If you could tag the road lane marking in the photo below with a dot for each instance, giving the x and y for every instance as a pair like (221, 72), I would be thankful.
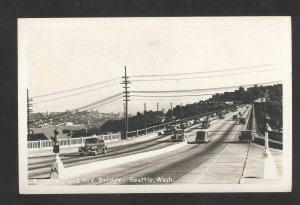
(220, 154)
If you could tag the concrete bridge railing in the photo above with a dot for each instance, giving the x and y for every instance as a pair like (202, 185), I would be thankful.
(40, 144)
(156, 128)
(274, 142)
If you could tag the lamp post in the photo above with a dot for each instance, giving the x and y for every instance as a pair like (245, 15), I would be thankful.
(57, 167)
(267, 167)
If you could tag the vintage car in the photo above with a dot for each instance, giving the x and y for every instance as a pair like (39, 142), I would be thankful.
(242, 120)
(246, 136)
(93, 146)
(207, 118)
(183, 125)
(221, 116)
(169, 130)
(178, 135)
(202, 136)
(190, 123)
(205, 124)
(197, 121)
(234, 117)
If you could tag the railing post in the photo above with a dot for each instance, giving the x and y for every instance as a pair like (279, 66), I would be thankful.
(137, 133)
(152, 128)
(81, 141)
(145, 130)
(110, 136)
(40, 143)
(70, 141)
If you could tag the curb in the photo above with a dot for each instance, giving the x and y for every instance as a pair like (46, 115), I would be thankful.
(86, 168)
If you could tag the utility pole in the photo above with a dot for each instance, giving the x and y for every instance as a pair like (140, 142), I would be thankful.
(171, 113)
(126, 82)
(124, 111)
(157, 107)
(181, 112)
(29, 110)
(145, 109)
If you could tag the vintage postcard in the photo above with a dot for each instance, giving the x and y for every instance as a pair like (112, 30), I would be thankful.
(155, 105)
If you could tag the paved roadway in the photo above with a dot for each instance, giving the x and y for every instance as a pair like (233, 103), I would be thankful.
(39, 166)
(223, 160)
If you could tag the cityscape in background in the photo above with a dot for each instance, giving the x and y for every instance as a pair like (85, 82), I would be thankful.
(88, 122)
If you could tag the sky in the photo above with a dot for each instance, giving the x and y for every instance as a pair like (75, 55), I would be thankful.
(62, 54)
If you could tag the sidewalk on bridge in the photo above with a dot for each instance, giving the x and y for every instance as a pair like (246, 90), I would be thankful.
(252, 165)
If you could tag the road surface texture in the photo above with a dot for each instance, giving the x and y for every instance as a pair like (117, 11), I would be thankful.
(221, 161)
(39, 162)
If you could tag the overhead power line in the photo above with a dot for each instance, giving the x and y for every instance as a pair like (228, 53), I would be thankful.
(203, 72)
(204, 89)
(151, 96)
(78, 88)
(106, 103)
(210, 76)
(87, 107)
(98, 102)
(74, 94)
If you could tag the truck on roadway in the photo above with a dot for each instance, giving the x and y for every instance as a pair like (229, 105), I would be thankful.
(202, 136)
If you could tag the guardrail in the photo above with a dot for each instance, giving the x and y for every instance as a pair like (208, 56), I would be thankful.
(145, 131)
(113, 137)
(71, 141)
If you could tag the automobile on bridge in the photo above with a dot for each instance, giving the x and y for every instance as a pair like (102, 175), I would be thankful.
(169, 129)
(197, 121)
(178, 135)
(242, 120)
(183, 125)
(234, 117)
(246, 136)
(93, 146)
(221, 116)
(205, 124)
(207, 118)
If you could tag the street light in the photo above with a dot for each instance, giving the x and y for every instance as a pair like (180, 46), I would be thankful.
(57, 166)
(267, 168)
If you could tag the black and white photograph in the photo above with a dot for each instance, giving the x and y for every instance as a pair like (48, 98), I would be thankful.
(154, 105)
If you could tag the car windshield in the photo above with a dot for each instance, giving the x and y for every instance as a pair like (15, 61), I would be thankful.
(200, 133)
(92, 140)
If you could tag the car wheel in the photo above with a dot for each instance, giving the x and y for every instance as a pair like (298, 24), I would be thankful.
(96, 152)
(104, 150)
